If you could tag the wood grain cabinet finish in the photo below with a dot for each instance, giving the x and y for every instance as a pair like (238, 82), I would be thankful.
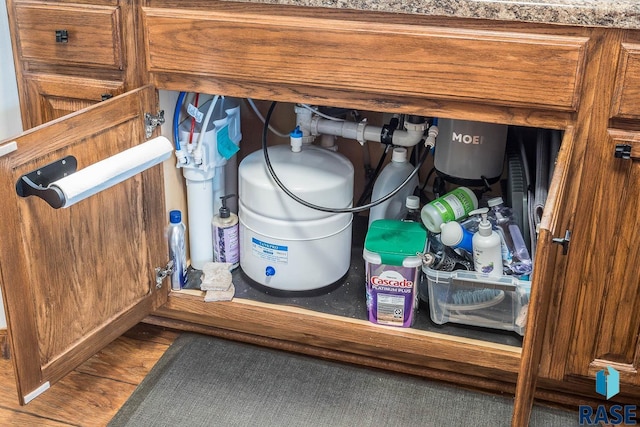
(56, 96)
(68, 291)
(519, 74)
(608, 326)
(626, 103)
(86, 35)
(504, 68)
(594, 319)
(72, 54)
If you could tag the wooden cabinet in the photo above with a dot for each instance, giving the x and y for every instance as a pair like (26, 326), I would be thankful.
(70, 55)
(433, 61)
(52, 96)
(593, 320)
(608, 325)
(626, 101)
(87, 273)
(606, 296)
(579, 80)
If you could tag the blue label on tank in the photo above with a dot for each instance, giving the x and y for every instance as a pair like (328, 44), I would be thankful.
(270, 251)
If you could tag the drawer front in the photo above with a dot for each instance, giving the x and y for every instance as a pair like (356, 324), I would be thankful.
(506, 68)
(68, 35)
(49, 97)
(626, 102)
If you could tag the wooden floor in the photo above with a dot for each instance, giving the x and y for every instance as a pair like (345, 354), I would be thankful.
(92, 394)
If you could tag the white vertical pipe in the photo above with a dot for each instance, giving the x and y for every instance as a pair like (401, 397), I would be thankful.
(200, 213)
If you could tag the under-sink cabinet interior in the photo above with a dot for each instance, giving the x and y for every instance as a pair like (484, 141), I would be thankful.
(567, 98)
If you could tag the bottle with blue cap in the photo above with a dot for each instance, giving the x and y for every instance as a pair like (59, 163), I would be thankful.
(454, 235)
(176, 232)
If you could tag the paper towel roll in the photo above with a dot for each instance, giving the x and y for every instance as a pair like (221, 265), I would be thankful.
(113, 170)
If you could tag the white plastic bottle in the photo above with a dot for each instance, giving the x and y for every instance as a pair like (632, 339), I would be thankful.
(226, 241)
(393, 174)
(452, 206)
(487, 252)
(177, 250)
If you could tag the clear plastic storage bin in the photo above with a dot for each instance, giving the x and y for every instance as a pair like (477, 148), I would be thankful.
(471, 298)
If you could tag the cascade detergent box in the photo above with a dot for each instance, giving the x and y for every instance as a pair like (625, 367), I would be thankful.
(393, 270)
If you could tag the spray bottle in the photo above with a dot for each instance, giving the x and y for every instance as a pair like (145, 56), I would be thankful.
(226, 240)
(487, 252)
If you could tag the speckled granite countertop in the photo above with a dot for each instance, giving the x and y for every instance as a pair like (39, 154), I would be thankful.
(602, 13)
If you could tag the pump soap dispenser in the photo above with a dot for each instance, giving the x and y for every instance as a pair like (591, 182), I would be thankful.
(487, 248)
(225, 235)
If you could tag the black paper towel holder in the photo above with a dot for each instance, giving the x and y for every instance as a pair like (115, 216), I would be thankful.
(37, 183)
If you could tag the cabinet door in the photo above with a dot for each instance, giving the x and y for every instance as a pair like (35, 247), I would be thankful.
(74, 279)
(49, 97)
(608, 319)
(550, 261)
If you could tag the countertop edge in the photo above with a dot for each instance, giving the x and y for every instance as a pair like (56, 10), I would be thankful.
(624, 14)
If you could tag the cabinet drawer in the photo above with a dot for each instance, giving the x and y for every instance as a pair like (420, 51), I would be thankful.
(92, 34)
(626, 102)
(478, 65)
(49, 97)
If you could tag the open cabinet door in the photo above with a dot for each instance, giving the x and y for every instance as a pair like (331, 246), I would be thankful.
(550, 256)
(76, 278)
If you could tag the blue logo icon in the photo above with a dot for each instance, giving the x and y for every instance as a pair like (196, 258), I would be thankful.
(608, 384)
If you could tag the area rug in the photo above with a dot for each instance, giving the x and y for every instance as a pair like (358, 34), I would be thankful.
(207, 381)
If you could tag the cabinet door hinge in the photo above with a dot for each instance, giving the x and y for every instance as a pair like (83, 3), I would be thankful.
(151, 122)
(563, 241)
(161, 273)
(623, 151)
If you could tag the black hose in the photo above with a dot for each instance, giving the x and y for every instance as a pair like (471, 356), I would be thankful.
(265, 131)
(366, 193)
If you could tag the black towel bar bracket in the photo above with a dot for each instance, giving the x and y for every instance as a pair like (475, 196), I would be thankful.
(37, 183)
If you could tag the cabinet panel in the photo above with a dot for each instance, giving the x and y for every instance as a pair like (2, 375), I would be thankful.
(627, 96)
(608, 326)
(559, 208)
(74, 279)
(49, 97)
(92, 34)
(375, 58)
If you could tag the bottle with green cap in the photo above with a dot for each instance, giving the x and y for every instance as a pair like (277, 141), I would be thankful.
(226, 241)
